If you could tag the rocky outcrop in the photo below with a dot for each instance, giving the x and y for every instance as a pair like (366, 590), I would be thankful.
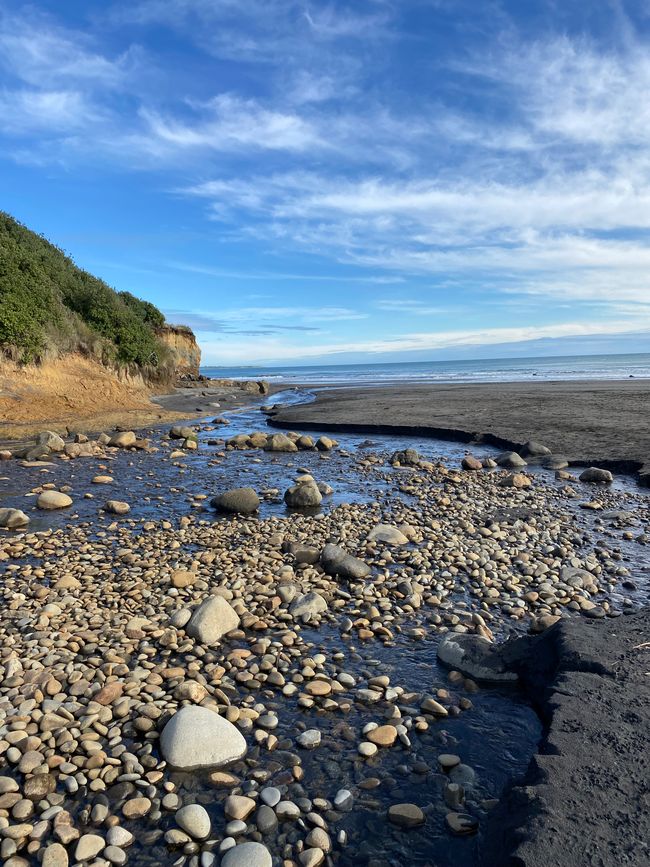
(185, 350)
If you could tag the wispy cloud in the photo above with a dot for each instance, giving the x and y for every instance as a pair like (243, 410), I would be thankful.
(328, 137)
(268, 276)
(229, 123)
(40, 53)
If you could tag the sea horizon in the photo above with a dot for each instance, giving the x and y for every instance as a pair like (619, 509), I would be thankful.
(606, 366)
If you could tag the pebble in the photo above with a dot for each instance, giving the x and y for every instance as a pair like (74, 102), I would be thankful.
(406, 815)
(309, 739)
(461, 823)
(247, 855)
(195, 820)
(175, 636)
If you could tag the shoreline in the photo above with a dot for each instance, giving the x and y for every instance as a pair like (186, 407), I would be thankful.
(152, 569)
(588, 421)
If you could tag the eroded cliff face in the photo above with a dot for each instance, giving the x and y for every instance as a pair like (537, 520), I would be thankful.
(182, 342)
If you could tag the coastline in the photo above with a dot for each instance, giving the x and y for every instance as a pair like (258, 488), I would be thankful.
(589, 422)
(583, 676)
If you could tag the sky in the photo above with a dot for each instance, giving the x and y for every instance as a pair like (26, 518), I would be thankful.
(309, 182)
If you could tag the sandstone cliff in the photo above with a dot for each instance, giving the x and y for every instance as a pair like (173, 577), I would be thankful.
(185, 350)
(75, 392)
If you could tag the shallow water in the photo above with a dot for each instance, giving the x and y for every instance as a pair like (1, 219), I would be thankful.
(496, 737)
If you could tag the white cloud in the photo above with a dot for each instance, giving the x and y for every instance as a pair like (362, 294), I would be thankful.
(269, 276)
(228, 123)
(26, 111)
(41, 54)
(303, 314)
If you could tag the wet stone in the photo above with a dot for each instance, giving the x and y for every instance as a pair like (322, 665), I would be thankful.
(406, 815)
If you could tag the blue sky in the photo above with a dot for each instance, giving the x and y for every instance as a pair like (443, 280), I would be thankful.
(307, 182)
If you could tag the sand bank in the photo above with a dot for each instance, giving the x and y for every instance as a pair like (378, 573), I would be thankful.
(589, 422)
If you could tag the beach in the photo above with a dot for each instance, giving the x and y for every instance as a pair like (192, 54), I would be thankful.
(589, 422)
(223, 638)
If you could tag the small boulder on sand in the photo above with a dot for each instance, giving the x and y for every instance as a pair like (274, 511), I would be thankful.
(534, 449)
(304, 494)
(181, 432)
(515, 480)
(596, 476)
(50, 441)
(406, 458)
(336, 561)
(280, 443)
(388, 534)
(309, 605)
(116, 507)
(511, 461)
(123, 439)
(249, 855)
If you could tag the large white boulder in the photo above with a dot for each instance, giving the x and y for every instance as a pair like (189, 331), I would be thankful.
(211, 620)
(197, 737)
(247, 855)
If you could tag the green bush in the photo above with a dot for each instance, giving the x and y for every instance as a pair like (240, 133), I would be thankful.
(45, 297)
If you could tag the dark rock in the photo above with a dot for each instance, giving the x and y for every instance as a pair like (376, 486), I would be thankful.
(243, 501)
(337, 562)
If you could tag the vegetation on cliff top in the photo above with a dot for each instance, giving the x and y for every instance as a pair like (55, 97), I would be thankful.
(48, 306)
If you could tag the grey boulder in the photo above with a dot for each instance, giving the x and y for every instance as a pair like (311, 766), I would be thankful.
(51, 441)
(212, 619)
(280, 443)
(243, 501)
(182, 432)
(335, 561)
(475, 657)
(597, 476)
(406, 458)
(303, 495)
(534, 449)
(53, 500)
(196, 737)
(309, 605)
(247, 855)
(511, 460)
(388, 534)
(13, 519)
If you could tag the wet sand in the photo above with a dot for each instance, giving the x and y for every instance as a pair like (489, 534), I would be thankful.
(202, 399)
(590, 422)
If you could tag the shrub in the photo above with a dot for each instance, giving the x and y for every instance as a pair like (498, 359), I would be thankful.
(45, 298)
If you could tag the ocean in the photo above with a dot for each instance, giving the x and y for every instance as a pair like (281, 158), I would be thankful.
(611, 367)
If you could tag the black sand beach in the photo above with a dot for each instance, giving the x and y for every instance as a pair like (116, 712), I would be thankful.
(589, 422)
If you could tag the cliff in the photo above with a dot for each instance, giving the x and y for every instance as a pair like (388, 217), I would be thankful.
(185, 351)
(74, 392)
